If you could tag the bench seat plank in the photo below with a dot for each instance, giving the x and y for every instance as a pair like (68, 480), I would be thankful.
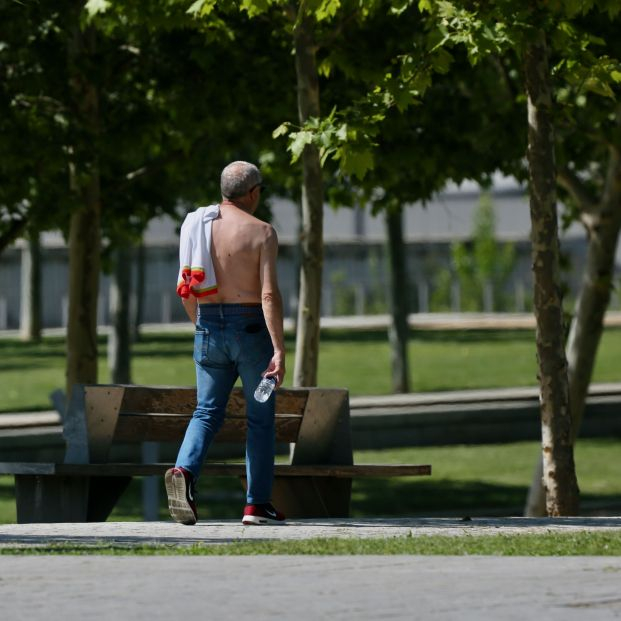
(215, 469)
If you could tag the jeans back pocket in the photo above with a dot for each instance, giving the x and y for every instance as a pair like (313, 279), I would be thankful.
(201, 345)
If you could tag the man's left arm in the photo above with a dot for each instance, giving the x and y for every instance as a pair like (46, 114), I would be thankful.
(271, 302)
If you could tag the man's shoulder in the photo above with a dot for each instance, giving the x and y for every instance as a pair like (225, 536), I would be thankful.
(259, 224)
(267, 229)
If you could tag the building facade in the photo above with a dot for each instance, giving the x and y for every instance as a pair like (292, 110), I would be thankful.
(355, 263)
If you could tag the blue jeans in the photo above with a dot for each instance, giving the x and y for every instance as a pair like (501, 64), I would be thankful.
(232, 341)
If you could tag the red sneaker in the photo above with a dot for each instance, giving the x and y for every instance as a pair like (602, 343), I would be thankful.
(180, 490)
(262, 514)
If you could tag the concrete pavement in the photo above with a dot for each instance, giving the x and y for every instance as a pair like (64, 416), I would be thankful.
(301, 588)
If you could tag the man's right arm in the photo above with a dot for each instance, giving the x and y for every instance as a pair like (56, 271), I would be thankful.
(191, 307)
(271, 302)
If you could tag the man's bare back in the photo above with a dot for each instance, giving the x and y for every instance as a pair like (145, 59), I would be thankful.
(244, 252)
(237, 242)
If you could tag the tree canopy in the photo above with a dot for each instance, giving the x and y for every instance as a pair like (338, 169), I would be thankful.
(113, 112)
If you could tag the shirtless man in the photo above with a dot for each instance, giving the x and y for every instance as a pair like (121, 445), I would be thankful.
(239, 333)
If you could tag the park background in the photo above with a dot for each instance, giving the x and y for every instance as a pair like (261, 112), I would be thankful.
(115, 114)
(355, 272)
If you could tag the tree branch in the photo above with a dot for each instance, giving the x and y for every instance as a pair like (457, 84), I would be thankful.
(568, 179)
(337, 32)
(156, 165)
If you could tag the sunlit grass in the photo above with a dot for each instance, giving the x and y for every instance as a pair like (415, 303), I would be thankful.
(444, 360)
(530, 544)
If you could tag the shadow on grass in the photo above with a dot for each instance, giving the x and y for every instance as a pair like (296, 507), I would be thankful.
(13, 356)
(27, 365)
(391, 498)
(415, 498)
(222, 499)
(7, 490)
(406, 497)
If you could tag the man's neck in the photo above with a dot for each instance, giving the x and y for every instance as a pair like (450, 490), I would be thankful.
(227, 202)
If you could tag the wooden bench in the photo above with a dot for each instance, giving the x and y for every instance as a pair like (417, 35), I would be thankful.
(86, 486)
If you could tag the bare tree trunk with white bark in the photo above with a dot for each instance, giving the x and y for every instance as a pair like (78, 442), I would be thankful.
(602, 221)
(559, 474)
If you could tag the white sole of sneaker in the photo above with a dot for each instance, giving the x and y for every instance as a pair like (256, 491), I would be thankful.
(178, 505)
(255, 520)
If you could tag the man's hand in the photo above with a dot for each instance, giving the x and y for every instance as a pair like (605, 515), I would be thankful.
(276, 368)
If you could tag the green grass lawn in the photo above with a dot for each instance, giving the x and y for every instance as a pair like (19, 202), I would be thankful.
(541, 544)
(442, 360)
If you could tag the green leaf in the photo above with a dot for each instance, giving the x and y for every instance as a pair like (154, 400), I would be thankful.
(325, 68)
(442, 60)
(573, 7)
(327, 9)
(281, 130)
(600, 87)
(196, 8)
(298, 141)
(202, 7)
(424, 5)
(325, 154)
(356, 162)
(255, 7)
(93, 7)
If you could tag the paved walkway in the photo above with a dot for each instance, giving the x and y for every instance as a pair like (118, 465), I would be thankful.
(227, 531)
(304, 588)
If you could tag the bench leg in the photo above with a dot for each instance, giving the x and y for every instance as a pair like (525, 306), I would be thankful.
(57, 498)
(50, 498)
(103, 494)
(312, 497)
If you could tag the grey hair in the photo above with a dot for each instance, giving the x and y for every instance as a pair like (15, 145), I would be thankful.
(238, 178)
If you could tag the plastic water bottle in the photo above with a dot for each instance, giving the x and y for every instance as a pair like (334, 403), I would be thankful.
(264, 389)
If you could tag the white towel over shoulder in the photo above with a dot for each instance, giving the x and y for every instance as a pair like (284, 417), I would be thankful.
(196, 273)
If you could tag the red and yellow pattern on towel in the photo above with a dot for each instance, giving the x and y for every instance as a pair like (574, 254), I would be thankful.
(191, 278)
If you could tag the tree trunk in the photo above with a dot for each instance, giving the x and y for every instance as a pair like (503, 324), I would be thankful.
(559, 475)
(597, 282)
(137, 309)
(84, 232)
(311, 239)
(84, 266)
(30, 315)
(119, 339)
(398, 330)
(602, 225)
